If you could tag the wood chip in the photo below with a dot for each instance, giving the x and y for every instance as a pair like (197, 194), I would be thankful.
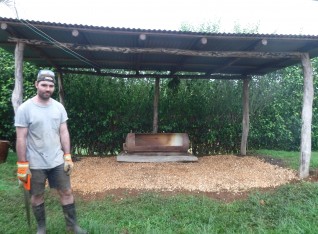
(231, 173)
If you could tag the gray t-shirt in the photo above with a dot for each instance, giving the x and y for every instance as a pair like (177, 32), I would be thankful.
(44, 149)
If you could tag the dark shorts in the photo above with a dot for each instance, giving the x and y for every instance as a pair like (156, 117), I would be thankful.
(56, 177)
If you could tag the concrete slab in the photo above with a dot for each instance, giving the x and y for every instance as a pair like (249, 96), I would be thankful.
(156, 157)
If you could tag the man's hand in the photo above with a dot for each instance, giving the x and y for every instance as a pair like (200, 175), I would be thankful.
(23, 171)
(68, 163)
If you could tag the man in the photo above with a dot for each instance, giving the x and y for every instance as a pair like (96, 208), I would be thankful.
(43, 149)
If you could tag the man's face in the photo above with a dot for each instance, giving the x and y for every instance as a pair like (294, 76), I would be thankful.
(45, 89)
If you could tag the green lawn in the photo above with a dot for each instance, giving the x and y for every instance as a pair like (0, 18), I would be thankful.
(291, 158)
(289, 209)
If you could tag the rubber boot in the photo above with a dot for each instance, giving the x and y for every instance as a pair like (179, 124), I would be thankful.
(70, 219)
(39, 213)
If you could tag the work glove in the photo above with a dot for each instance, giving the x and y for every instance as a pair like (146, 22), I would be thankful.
(68, 164)
(24, 174)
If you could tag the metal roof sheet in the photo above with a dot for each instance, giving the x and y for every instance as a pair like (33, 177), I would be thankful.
(98, 49)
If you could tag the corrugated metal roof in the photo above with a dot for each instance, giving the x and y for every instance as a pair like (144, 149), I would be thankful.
(136, 50)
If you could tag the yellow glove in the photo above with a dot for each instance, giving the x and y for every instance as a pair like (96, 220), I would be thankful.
(68, 163)
(24, 174)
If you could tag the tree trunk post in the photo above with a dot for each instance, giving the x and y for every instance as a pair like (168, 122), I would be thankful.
(306, 116)
(155, 106)
(61, 88)
(246, 118)
(17, 94)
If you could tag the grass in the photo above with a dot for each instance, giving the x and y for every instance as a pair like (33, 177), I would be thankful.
(289, 209)
(290, 158)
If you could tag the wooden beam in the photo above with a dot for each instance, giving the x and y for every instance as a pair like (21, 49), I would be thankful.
(156, 105)
(17, 94)
(231, 61)
(196, 45)
(306, 115)
(246, 118)
(128, 50)
(81, 38)
(15, 34)
(142, 76)
(60, 88)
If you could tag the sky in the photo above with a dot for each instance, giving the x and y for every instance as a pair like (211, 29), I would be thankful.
(271, 16)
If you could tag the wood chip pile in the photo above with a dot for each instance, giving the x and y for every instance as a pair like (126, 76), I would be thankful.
(93, 175)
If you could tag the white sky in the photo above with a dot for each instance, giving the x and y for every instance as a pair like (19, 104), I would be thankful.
(272, 16)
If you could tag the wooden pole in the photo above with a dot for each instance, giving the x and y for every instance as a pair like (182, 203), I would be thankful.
(17, 94)
(61, 88)
(246, 118)
(170, 51)
(306, 116)
(155, 106)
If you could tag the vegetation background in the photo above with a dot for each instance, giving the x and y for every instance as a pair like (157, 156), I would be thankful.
(102, 110)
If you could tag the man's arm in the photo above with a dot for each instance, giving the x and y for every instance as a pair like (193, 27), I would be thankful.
(66, 146)
(65, 138)
(23, 172)
(21, 143)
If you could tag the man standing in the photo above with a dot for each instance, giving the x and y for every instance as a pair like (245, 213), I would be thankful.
(43, 149)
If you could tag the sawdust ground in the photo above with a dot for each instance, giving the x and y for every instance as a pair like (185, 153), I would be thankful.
(222, 177)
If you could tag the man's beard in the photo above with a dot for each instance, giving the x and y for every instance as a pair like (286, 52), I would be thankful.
(45, 95)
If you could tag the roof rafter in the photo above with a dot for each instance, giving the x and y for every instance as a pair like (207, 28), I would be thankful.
(154, 75)
(126, 50)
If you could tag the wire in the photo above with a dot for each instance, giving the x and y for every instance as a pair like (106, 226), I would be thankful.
(55, 42)
(58, 44)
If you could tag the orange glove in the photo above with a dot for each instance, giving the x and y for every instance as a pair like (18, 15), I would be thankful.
(68, 163)
(24, 174)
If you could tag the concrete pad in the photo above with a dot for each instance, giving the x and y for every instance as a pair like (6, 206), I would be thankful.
(156, 157)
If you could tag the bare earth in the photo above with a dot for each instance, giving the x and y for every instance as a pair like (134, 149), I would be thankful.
(223, 177)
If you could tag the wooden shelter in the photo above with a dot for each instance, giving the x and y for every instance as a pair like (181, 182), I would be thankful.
(159, 54)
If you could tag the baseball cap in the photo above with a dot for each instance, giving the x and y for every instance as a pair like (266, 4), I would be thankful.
(46, 75)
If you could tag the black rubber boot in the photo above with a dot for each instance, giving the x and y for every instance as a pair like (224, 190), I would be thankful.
(71, 221)
(39, 213)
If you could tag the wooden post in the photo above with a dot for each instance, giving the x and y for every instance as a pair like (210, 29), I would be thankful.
(155, 106)
(246, 118)
(306, 116)
(17, 94)
(61, 89)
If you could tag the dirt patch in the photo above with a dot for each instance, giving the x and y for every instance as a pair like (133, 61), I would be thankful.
(223, 177)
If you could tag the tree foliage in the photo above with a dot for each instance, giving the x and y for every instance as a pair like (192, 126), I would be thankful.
(102, 110)
(7, 130)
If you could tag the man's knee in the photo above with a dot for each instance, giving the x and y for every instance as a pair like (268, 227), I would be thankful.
(66, 196)
(37, 199)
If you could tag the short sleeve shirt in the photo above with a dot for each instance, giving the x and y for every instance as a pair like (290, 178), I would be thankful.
(44, 149)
